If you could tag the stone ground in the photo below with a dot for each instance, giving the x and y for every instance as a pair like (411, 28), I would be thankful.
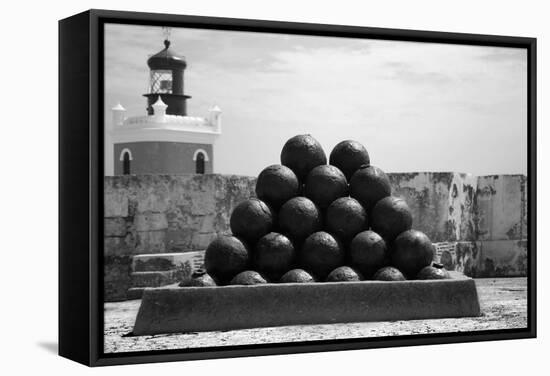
(503, 305)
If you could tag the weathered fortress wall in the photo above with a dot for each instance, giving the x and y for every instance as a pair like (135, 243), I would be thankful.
(157, 214)
(478, 223)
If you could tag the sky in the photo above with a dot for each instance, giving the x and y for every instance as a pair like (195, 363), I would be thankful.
(414, 106)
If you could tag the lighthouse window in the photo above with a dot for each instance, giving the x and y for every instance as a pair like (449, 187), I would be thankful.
(161, 81)
(126, 164)
(199, 163)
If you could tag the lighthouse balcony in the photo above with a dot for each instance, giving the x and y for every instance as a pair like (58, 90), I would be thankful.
(167, 128)
(172, 122)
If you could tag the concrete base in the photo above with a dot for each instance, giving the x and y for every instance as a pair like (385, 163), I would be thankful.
(137, 292)
(134, 293)
(198, 309)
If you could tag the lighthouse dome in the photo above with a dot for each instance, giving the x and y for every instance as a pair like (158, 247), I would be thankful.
(166, 59)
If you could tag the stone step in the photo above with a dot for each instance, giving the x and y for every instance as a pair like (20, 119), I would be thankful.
(155, 279)
(161, 269)
(186, 261)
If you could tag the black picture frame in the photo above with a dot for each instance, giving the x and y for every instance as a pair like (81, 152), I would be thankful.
(81, 186)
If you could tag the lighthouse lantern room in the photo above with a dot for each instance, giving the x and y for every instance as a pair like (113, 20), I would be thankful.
(166, 80)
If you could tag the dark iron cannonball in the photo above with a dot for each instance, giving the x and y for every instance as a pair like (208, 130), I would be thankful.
(297, 276)
(298, 218)
(388, 273)
(248, 277)
(390, 217)
(368, 253)
(251, 220)
(368, 185)
(348, 156)
(274, 255)
(225, 257)
(199, 278)
(301, 154)
(321, 253)
(276, 185)
(345, 218)
(433, 272)
(411, 251)
(344, 274)
(324, 184)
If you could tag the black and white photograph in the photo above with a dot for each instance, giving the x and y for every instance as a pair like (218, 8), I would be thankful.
(278, 188)
(275, 188)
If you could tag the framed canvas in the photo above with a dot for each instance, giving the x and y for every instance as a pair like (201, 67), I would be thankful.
(366, 188)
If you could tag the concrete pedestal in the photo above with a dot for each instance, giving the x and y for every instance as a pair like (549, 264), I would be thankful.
(198, 309)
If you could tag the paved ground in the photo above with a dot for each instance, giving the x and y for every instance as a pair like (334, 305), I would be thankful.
(503, 304)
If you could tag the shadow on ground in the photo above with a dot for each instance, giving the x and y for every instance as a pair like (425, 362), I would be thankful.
(51, 347)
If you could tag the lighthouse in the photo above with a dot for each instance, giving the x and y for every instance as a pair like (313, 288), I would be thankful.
(164, 140)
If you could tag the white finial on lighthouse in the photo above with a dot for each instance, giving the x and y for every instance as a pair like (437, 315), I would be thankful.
(159, 108)
(118, 114)
(166, 31)
(215, 117)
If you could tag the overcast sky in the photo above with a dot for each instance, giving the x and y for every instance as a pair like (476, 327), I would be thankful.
(415, 106)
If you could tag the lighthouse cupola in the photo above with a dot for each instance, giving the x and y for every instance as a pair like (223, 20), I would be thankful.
(166, 81)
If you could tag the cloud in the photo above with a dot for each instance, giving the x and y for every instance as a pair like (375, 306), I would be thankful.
(408, 75)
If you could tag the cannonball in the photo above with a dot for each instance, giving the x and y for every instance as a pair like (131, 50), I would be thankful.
(274, 254)
(248, 277)
(301, 154)
(297, 276)
(344, 274)
(368, 253)
(251, 220)
(411, 251)
(321, 253)
(433, 272)
(324, 184)
(345, 218)
(276, 185)
(199, 278)
(299, 217)
(368, 185)
(348, 156)
(390, 217)
(225, 257)
(388, 273)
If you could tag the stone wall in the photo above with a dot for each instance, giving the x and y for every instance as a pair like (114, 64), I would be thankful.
(442, 203)
(154, 214)
(479, 224)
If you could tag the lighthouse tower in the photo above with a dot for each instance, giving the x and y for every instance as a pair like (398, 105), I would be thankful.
(165, 140)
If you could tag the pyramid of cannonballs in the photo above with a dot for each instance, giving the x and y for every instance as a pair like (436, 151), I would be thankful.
(319, 222)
